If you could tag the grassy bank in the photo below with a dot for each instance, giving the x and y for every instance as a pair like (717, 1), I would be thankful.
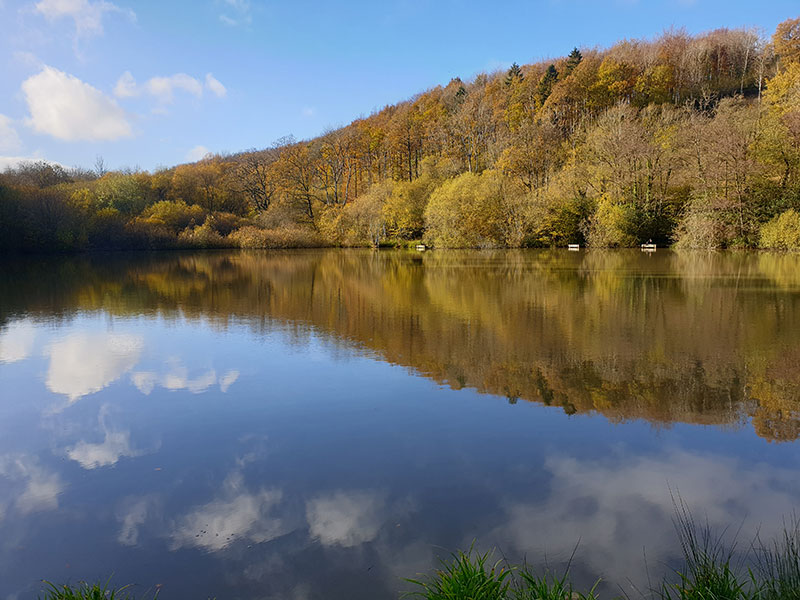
(768, 570)
(88, 591)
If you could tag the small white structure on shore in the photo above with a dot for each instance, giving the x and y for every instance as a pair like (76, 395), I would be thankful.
(649, 247)
(573, 246)
(421, 247)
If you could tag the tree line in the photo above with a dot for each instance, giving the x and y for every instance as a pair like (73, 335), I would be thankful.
(685, 140)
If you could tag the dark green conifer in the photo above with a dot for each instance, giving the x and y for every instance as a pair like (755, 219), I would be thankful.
(546, 84)
(573, 60)
(513, 73)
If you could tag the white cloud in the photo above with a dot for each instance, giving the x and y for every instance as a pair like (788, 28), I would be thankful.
(126, 86)
(87, 16)
(27, 59)
(9, 139)
(28, 487)
(213, 84)
(197, 153)
(345, 518)
(163, 88)
(84, 363)
(308, 112)
(66, 108)
(239, 5)
(10, 162)
(237, 514)
(16, 341)
(237, 12)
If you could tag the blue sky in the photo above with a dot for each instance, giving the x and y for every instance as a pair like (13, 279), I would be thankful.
(146, 83)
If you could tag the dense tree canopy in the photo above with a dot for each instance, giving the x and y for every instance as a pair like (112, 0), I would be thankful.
(693, 140)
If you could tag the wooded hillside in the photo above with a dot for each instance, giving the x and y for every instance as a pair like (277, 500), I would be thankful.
(691, 140)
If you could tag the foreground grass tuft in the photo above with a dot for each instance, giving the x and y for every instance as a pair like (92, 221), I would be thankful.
(84, 591)
(778, 565)
(549, 586)
(471, 576)
(708, 572)
(467, 575)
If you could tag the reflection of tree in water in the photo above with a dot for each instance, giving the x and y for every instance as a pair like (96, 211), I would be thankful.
(698, 338)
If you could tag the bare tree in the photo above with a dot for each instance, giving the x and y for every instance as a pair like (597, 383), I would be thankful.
(255, 177)
(100, 168)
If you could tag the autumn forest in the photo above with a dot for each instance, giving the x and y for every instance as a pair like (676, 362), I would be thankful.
(692, 141)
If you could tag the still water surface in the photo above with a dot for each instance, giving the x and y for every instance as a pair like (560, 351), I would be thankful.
(321, 424)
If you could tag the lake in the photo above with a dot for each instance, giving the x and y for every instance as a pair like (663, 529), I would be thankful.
(322, 424)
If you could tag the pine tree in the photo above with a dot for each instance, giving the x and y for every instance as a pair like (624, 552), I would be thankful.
(461, 94)
(514, 73)
(573, 60)
(546, 84)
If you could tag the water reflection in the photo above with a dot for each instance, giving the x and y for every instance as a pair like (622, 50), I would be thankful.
(115, 445)
(671, 337)
(617, 506)
(27, 487)
(345, 519)
(84, 363)
(133, 514)
(177, 378)
(16, 341)
(237, 514)
(217, 422)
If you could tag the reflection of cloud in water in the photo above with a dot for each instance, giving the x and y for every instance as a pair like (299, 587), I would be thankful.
(180, 380)
(133, 515)
(238, 514)
(114, 446)
(617, 510)
(27, 486)
(177, 378)
(360, 532)
(228, 380)
(345, 518)
(144, 381)
(16, 341)
(83, 363)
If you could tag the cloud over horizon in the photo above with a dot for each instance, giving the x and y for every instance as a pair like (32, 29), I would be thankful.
(163, 88)
(68, 109)
(9, 138)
